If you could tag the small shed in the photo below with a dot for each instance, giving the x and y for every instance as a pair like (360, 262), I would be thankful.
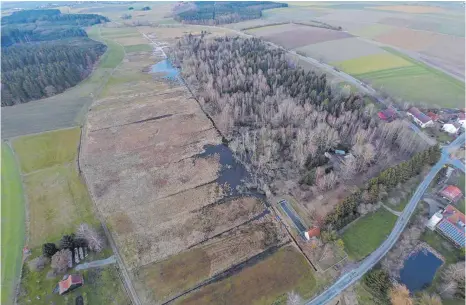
(70, 283)
(340, 152)
(313, 232)
(451, 128)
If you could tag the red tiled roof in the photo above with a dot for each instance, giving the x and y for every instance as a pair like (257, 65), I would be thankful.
(315, 231)
(451, 192)
(419, 115)
(71, 280)
(432, 115)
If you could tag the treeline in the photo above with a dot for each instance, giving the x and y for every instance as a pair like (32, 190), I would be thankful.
(42, 25)
(281, 120)
(372, 192)
(211, 13)
(45, 52)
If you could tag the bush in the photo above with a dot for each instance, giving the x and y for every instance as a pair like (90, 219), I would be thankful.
(38, 263)
(67, 242)
(49, 249)
(61, 260)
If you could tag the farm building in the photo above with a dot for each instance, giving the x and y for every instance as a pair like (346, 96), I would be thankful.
(388, 114)
(461, 120)
(452, 226)
(451, 193)
(70, 283)
(420, 118)
(433, 116)
(313, 232)
(451, 128)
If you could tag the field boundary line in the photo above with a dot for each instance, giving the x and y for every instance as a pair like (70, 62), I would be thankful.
(17, 284)
(38, 133)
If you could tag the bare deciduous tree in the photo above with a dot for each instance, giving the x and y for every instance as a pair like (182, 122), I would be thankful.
(95, 242)
(60, 260)
(399, 295)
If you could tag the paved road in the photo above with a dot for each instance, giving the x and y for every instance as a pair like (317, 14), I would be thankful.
(354, 275)
(95, 264)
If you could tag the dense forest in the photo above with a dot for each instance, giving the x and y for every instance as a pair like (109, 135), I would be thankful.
(281, 120)
(45, 52)
(211, 13)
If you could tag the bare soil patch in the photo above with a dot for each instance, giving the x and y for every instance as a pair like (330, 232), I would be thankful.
(304, 35)
(409, 39)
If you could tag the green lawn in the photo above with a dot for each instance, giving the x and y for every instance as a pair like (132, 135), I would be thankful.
(47, 149)
(453, 302)
(101, 286)
(12, 223)
(367, 233)
(371, 63)
(442, 245)
(115, 52)
(138, 48)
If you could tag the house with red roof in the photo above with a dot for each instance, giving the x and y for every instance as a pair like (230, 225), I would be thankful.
(433, 116)
(388, 114)
(70, 283)
(420, 118)
(451, 193)
(312, 233)
(452, 226)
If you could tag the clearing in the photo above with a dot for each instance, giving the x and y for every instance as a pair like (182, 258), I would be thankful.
(365, 234)
(13, 216)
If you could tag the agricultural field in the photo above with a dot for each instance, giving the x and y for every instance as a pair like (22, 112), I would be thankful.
(293, 36)
(145, 162)
(58, 201)
(371, 63)
(13, 216)
(287, 267)
(361, 238)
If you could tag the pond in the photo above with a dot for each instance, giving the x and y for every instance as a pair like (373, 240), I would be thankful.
(166, 68)
(419, 270)
(232, 172)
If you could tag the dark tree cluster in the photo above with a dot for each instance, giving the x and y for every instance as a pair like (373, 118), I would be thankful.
(347, 210)
(45, 52)
(36, 70)
(378, 282)
(202, 12)
(280, 119)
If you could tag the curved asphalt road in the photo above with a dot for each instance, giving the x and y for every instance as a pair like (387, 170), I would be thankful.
(370, 261)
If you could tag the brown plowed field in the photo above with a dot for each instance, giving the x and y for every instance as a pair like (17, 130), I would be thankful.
(299, 35)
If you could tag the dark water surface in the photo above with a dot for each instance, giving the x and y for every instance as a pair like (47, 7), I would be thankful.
(419, 270)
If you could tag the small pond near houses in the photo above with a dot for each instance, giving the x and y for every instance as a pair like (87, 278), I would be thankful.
(419, 270)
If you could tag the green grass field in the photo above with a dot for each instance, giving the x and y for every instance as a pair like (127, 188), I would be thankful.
(138, 48)
(442, 245)
(367, 233)
(47, 149)
(115, 53)
(12, 224)
(371, 63)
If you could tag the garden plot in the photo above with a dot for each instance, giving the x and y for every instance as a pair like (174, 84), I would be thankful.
(143, 245)
(301, 36)
(330, 51)
(171, 277)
